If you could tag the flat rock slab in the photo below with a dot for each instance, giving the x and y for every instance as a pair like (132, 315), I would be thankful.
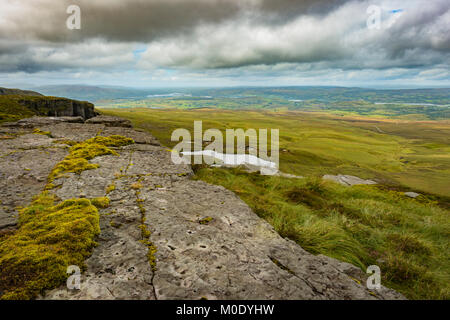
(210, 244)
(235, 255)
(110, 121)
(42, 121)
(25, 163)
(347, 180)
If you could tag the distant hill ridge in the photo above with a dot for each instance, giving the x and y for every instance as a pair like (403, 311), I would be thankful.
(6, 91)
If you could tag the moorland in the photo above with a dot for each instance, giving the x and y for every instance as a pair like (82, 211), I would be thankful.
(401, 148)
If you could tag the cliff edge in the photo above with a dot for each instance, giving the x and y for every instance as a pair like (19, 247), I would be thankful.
(16, 104)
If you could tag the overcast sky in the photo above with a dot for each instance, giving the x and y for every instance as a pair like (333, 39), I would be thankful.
(226, 42)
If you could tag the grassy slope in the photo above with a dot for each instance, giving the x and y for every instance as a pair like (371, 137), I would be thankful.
(11, 110)
(362, 225)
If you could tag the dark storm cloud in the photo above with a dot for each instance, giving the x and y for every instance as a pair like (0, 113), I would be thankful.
(338, 38)
(140, 20)
(131, 20)
(285, 10)
(222, 34)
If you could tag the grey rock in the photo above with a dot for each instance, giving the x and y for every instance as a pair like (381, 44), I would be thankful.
(347, 180)
(25, 165)
(412, 194)
(110, 121)
(38, 121)
(73, 131)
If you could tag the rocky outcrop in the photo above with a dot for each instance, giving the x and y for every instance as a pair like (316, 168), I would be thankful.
(206, 242)
(59, 107)
(16, 104)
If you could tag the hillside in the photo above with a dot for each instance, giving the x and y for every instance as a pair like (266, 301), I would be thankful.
(92, 93)
(6, 91)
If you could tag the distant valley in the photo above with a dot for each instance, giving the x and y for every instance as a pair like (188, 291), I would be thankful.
(406, 104)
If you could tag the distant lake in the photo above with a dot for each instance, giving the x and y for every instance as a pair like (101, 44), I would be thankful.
(165, 95)
(415, 104)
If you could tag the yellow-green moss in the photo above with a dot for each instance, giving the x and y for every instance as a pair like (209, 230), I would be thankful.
(144, 231)
(206, 220)
(145, 234)
(100, 203)
(151, 255)
(151, 247)
(111, 188)
(44, 133)
(89, 151)
(114, 224)
(80, 153)
(50, 186)
(111, 141)
(52, 237)
(71, 165)
(49, 239)
(141, 207)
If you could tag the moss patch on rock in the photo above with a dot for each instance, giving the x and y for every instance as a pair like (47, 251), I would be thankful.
(101, 202)
(111, 188)
(206, 220)
(79, 154)
(43, 133)
(50, 238)
(145, 233)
